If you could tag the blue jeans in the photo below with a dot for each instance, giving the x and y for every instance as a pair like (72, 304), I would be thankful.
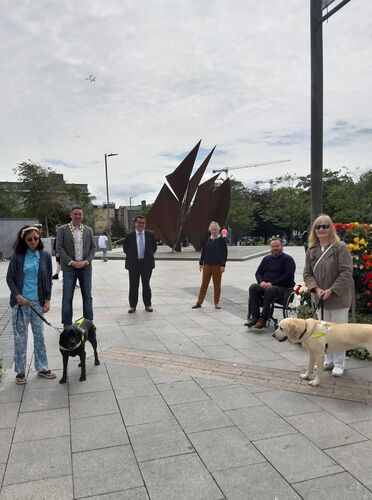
(69, 282)
(22, 316)
(104, 254)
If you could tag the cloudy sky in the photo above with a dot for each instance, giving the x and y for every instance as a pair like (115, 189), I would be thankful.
(234, 73)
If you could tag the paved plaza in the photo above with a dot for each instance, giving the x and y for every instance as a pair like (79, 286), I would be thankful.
(186, 404)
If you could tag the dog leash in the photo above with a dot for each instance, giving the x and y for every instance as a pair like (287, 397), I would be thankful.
(59, 330)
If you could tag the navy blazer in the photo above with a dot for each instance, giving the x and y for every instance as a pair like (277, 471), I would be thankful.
(131, 252)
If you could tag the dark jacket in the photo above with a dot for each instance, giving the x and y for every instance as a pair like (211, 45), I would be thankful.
(214, 252)
(14, 277)
(277, 270)
(66, 249)
(131, 252)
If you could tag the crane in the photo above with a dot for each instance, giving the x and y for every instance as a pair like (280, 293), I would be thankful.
(251, 165)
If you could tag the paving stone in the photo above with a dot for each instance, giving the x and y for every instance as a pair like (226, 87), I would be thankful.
(2, 470)
(325, 430)
(259, 354)
(200, 416)
(95, 382)
(207, 340)
(104, 471)
(33, 460)
(55, 424)
(296, 458)
(158, 440)
(221, 352)
(356, 459)
(46, 489)
(6, 436)
(338, 486)
(119, 373)
(93, 404)
(364, 428)
(132, 494)
(288, 403)
(45, 399)
(225, 448)
(10, 392)
(212, 382)
(258, 481)
(184, 391)
(101, 431)
(134, 386)
(179, 478)
(347, 411)
(230, 397)
(259, 422)
(163, 377)
(9, 414)
(144, 409)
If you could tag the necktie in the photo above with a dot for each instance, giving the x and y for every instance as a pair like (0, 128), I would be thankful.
(141, 246)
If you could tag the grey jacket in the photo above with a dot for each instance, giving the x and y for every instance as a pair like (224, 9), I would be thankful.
(334, 271)
(14, 277)
(65, 246)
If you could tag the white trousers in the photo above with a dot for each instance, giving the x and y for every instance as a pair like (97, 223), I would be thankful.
(335, 316)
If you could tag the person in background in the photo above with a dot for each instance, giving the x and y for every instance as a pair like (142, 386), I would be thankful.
(212, 263)
(328, 274)
(58, 259)
(76, 248)
(139, 247)
(29, 279)
(102, 244)
(224, 232)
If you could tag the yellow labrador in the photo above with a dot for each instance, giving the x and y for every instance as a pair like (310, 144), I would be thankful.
(318, 336)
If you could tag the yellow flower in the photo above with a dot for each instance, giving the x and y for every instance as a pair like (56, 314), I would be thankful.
(363, 242)
(350, 247)
(356, 239)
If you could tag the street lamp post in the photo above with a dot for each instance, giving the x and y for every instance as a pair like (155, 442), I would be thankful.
(107, 194)
(130, 210)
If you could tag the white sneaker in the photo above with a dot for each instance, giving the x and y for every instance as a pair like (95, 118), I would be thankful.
(337, 371)
(327, 366)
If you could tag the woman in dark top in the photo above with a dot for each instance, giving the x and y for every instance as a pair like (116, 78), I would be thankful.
(212, 263)
(29, 279)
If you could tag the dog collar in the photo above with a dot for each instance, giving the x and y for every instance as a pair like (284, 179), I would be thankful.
(303, 333)
(65, 348)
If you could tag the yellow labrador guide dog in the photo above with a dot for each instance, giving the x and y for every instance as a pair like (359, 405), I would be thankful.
(318, 337)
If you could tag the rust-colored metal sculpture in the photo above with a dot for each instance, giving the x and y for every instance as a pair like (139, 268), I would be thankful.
(187, 208)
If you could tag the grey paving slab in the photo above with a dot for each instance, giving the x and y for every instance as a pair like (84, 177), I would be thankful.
(184, 391)
(364, 428)
(2, 470)
(207, 340)
(95, 382)
(93, 404)
(9, 414)
(225, 448)
(10, 392)
(55, 423)
(297, 458)
(259, 354)
(338, 486)
(144, 409)
(229, 397)
(347, 411)
(6, 436)
(158, 440)
(356, 459)
(134, 386)
(132, 494)
(56, 396)
(56, 488)
(258, 481)
(121, 373)
(163, 377)
(104, 471)
(101, 431)
(287, 403)
(200, 416)
(221, 352)
(212, 382)
(259, 422)
(325, 430)
(34, 460)
(179, 478)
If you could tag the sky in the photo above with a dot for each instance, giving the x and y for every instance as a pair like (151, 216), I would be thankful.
(233, 73)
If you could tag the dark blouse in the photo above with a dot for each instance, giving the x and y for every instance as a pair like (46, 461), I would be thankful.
(214, 252)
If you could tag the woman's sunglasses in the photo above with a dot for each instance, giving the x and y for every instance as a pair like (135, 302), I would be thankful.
(33, 238)
(322, 226)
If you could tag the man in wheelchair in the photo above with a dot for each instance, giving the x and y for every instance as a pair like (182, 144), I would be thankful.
(274, 276)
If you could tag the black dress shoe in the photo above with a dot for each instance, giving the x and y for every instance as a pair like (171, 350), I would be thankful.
(55, 277)
(251, 322)
(196, 306)
(261, 323)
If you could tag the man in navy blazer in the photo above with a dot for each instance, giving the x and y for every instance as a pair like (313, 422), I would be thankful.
(139, 247)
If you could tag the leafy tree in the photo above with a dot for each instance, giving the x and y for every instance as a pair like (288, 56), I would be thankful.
(241, 214)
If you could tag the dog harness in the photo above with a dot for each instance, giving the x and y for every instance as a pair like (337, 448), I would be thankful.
(325, 327)
(84, 334)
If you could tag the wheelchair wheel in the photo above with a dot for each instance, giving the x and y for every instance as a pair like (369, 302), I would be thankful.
(291, 305)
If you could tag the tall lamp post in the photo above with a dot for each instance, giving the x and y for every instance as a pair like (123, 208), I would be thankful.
(107, 194)
(130, 210)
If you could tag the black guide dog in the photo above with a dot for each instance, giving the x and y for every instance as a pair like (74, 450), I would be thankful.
(72, 343)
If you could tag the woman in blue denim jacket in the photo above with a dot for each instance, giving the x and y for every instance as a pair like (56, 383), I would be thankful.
(29, 278)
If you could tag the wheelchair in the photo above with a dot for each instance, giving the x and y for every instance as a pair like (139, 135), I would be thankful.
(288, 305)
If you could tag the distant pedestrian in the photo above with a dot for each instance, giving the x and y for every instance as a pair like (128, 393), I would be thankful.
(58, 259)
(139, 248)
(304, 238)
(102, 244)
(212, 263)
(224, 232)
(76, 248)
(29, 279)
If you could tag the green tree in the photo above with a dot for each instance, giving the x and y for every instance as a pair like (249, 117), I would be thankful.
(241, 213)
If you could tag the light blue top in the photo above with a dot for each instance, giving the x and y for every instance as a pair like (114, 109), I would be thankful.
(30, 273)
